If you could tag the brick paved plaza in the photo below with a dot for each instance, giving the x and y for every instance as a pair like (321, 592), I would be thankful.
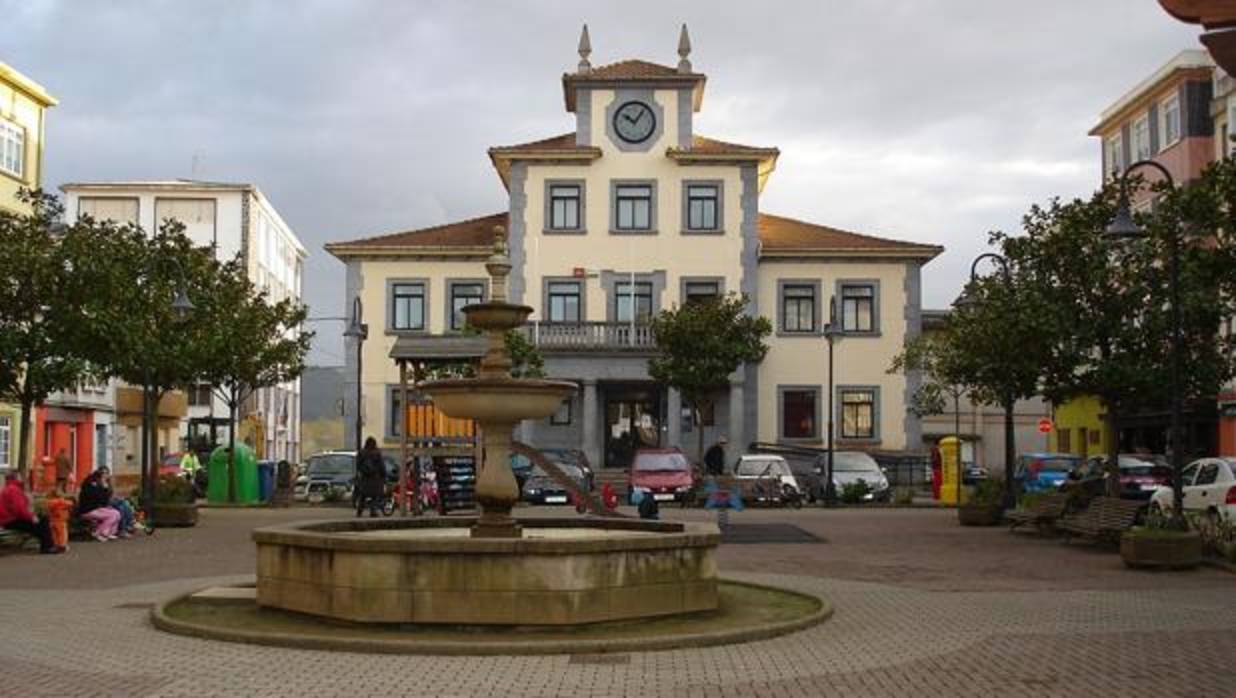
(923, 607)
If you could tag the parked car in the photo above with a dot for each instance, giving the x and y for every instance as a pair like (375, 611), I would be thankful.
(1140, 475)
(664, 473)
(575, 457)
(851, 466)
(521, 466)
(771, 477)
(1209, 488)
(802, 461)
(1039, 472)
(170, 463)
(323, 472)
(540, 488)
(972, 474)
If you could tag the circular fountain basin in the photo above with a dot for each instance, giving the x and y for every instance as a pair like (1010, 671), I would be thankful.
(498, 399)
(561, 572)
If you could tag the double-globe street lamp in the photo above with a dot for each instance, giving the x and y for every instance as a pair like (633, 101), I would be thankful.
(1121, 228)
(1009, 443)
(358, 331)
(832, 335)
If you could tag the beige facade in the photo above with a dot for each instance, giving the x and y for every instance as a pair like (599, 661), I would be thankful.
(620, 219)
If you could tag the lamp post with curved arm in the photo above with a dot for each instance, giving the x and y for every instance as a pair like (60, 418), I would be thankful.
(359, 331)
(1121, 228)
(1008, 406)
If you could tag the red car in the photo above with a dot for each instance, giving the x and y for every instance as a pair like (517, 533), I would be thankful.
(1140, 475)
(170, 464)
(665, 473)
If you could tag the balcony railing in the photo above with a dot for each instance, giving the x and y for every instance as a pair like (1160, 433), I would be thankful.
(590, 336)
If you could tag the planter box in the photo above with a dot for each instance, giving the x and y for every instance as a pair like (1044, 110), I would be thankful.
(1173, 551)
(971, 515)
(174, 514)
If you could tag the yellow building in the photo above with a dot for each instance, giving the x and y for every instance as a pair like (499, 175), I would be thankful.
(23, 125)
(23, 108)
(1079, 427)
(631, 212)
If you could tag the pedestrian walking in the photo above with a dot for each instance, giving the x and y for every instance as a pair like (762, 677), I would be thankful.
(64, 469)
(714, 458)
(370, 478)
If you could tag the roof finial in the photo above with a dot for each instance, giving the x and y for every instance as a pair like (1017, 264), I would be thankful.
(585, 50)
(684, 50)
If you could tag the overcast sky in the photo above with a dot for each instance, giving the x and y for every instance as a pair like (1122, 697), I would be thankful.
(927, 120)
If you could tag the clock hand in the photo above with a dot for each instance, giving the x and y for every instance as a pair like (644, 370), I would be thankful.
(628, 118)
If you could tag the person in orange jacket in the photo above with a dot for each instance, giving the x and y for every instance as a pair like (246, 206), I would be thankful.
(59, 508)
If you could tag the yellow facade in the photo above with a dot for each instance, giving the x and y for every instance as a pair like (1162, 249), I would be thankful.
(23, 109)
(1078, 427)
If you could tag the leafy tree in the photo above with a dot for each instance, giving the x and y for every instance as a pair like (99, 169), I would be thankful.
(701, 343)
(250, 342)
(38, 355)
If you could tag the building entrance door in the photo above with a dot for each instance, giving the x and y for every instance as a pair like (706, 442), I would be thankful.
(632, 422)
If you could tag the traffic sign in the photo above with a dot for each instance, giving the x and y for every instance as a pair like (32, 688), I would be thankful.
(1045, 426)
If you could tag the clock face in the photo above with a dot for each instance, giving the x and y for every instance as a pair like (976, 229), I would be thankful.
(634, 122)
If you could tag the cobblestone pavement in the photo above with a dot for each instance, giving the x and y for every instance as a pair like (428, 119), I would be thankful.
(904, 624)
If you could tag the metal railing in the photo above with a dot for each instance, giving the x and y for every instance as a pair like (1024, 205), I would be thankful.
(590, 336)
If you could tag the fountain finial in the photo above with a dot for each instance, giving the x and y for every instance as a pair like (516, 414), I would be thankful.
(499, 266)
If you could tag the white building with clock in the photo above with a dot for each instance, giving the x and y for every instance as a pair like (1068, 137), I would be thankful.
(629, 212)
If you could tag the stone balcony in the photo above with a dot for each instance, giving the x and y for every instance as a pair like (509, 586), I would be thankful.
(588, 337)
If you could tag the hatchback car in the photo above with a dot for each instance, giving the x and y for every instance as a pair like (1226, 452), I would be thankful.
(575, 457)
(540, 488)
(771, 476)
(1140, 476)
(664, 473)
(1209, 488)
(1044, 472)
(851, 466)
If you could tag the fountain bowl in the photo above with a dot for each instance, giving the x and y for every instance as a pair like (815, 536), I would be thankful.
(566, 571)
(502, 400)
(496, 315)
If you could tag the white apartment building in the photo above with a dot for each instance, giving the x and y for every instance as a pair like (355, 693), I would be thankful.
(631, 212)
(234, 219)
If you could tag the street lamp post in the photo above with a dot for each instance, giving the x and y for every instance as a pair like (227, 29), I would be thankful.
(1123, 227)
(1009, 441)
(832, 335)
(358, 331)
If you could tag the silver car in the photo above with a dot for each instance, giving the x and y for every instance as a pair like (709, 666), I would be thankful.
(851, 466)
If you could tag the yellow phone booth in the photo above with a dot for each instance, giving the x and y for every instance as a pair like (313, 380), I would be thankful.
(950, 470)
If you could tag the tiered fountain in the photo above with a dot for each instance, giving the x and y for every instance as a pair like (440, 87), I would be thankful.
(491, 569)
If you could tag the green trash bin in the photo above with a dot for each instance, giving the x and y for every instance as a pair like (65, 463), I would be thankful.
(246, 476)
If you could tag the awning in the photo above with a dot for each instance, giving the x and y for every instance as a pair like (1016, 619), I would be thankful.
(438, 348)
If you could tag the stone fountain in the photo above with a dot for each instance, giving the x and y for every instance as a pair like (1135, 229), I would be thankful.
(495, 400)
(490, 569)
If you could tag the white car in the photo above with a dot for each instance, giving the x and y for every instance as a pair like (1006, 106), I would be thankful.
(1209, 487)
(761, 467)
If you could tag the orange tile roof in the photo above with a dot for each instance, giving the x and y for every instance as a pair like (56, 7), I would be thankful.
(781, 235)
(474, 232)
(702, 145)
(563, 142)
(633, 69)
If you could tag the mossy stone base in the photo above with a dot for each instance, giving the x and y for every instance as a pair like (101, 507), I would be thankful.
(1161, 550)
(174, 514)
(744, 613)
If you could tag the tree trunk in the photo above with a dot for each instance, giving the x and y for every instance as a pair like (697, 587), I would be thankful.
(231, 450)
(699, 429)
(1112, 466)
(1010, 455)
(24, 466)
(152, 434)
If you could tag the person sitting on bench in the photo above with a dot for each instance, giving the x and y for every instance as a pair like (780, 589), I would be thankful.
(94, 505)
(15, 515)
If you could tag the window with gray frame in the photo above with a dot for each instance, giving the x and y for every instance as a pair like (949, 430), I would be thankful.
(702, 206)
(408, 306)
(565, 206)
(858, 414)
(799, 413)
(633, 207)
(627, 297)
(394, 421)
(701, 291)
(463, 294)
(565, 301)
(858, 307)
(798, 308)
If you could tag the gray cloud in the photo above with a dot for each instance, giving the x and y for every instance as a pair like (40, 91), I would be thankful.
(931, 120)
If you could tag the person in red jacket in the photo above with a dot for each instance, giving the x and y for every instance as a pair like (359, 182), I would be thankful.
(15, 514)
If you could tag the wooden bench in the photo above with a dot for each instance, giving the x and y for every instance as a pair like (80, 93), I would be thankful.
(16, 539)
(1045, 512)
(1105, 518)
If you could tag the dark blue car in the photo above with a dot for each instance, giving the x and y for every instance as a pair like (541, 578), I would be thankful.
(1039, 472)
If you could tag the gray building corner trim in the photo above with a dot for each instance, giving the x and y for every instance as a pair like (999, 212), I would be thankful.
(389, 305)
(517, 224)
(817, 391)
(876, 416)
(913, 424)
(876, 325)
(646, 95)
(354, 282)
(610, 279)
(583, 116)
(246, 212)
(448, 299)
(686, 113)
(748, 283)
(582, 228)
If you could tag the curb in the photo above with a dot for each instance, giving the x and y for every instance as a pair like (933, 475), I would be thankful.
(324, 641)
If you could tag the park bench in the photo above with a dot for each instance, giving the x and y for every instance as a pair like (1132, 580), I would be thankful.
(15, 539)
(1045, 512)
(1106, 518)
